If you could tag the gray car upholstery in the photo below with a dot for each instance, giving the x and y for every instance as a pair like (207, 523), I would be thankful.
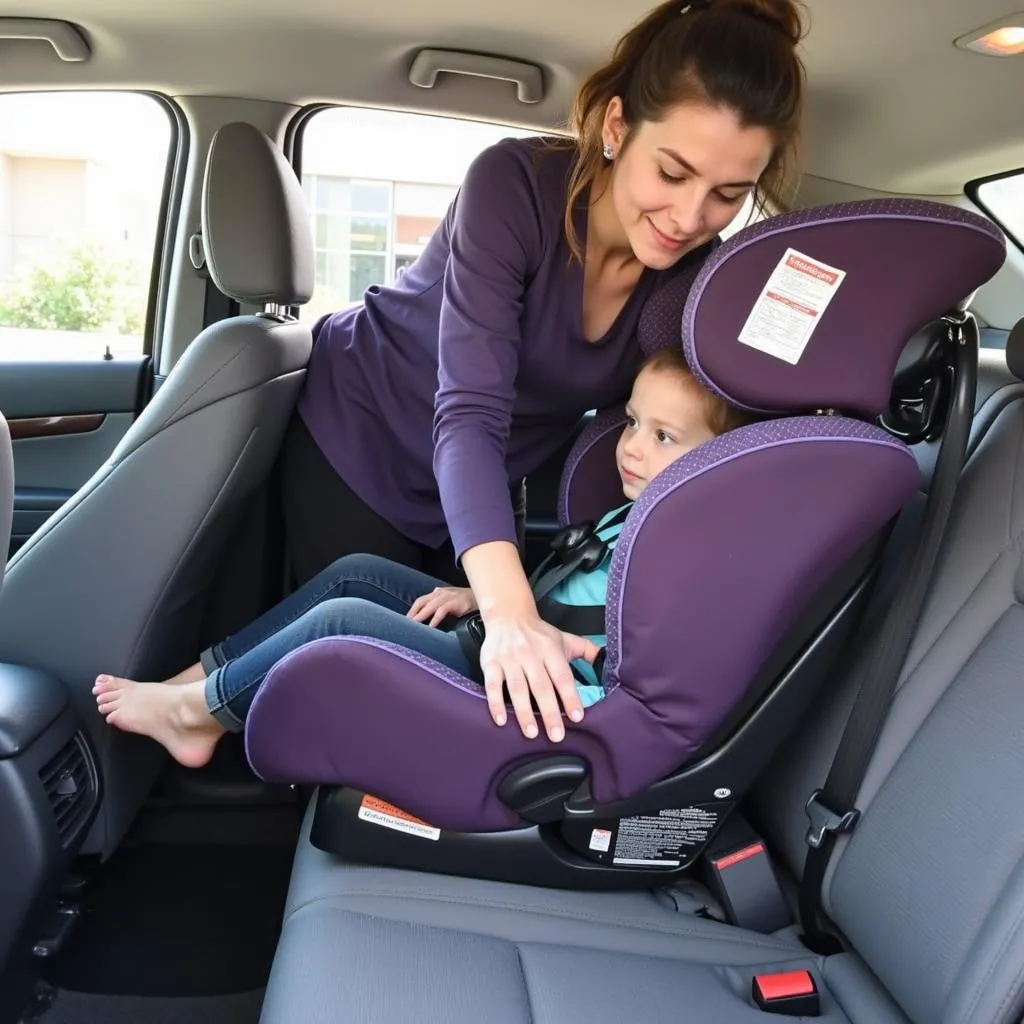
(928, 892)
(244, 172)
(381, 946)
(115, 581)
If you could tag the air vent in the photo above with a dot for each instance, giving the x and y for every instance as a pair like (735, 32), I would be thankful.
(70, 787)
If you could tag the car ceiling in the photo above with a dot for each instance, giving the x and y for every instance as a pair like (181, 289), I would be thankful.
(894, 106)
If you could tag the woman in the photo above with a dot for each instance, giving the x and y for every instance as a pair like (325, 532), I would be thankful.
(669, 413)
(424, 406)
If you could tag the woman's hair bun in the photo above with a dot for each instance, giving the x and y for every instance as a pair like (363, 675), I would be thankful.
(784, 15)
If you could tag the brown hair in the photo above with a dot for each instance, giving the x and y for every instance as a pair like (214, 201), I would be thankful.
(736, 54)
(719, 414)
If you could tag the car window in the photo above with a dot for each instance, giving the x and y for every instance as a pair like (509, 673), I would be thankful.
(377, 183)
(1003, 199)
(82, 180)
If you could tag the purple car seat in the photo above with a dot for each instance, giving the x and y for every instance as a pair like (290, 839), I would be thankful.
(739, 573)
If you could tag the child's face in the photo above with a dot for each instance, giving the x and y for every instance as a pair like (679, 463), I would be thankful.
(666, 418)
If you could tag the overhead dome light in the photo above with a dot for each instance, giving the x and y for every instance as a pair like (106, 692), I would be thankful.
(1003, 38)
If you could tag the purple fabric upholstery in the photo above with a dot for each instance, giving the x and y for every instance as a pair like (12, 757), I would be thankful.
(662, 314)
(718, 558)
(590, 484)
(923, 259)
(743, 529)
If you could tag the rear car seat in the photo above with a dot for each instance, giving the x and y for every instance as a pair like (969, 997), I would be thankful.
(927, 893)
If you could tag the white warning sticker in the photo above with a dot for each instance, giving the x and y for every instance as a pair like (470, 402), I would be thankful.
(601, 839)
(658, 840)
(790, 305)
(379, 812)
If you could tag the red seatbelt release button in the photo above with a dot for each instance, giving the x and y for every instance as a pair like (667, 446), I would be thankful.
(792, 993)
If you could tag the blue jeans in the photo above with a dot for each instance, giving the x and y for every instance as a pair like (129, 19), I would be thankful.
(359, 595)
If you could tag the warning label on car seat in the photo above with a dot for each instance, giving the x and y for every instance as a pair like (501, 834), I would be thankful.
(379, 812)
(656, 840)
(790, 305)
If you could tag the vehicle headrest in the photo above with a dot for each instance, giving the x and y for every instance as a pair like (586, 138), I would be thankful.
(256, 233)
(811, 310)
(1015, 350)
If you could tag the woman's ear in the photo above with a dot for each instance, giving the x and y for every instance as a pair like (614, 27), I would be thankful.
(614, 128)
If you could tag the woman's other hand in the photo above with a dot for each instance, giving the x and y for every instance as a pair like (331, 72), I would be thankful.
(442, 602)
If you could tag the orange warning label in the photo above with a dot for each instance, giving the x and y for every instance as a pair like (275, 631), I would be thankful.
(806, 266)
(379, 812)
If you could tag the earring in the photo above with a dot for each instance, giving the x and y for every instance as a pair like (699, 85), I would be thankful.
(609, 153)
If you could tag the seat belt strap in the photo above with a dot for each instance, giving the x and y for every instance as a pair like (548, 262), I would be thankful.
(831, 809)
(216, 305)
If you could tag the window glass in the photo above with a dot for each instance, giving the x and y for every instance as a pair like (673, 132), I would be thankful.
(1004, 199)
(82, 179)
(378, 183)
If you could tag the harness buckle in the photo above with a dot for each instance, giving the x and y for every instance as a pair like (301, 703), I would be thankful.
(579, 546)
(825, 821)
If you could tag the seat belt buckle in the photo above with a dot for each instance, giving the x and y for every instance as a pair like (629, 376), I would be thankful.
(744, 881)
(791, 993)
(825, 821)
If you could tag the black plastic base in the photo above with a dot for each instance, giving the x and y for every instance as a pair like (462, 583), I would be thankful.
(534, 855)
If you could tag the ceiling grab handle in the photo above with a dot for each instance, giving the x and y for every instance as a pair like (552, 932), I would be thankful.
(428, 64)
(63, 36)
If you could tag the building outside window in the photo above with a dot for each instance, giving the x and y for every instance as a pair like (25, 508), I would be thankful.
(378, 183)
(82, 178)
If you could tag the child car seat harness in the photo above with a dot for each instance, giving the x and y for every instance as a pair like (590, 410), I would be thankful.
(578, 546)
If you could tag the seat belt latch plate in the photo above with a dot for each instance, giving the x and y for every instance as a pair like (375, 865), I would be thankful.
(825, 821)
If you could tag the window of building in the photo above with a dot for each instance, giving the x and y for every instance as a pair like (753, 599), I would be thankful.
(378, 183)
(82, 180)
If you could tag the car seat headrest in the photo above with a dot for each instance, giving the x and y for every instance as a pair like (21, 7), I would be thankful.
(811, 310)
(255, 226)
(1015, 349)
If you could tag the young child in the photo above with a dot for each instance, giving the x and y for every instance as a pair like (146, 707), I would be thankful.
(669, 413)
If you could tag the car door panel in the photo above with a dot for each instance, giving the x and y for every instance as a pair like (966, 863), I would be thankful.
(65, 420)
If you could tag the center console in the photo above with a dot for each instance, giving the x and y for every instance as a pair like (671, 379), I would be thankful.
(49, 795)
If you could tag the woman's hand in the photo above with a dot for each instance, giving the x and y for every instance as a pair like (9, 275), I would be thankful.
(530, 656)
(522, 652)
(442, 602)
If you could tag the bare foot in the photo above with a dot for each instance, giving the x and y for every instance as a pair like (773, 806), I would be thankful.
(175, 716)
(193, 674)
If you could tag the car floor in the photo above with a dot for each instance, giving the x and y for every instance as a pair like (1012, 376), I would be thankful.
(182, 922)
